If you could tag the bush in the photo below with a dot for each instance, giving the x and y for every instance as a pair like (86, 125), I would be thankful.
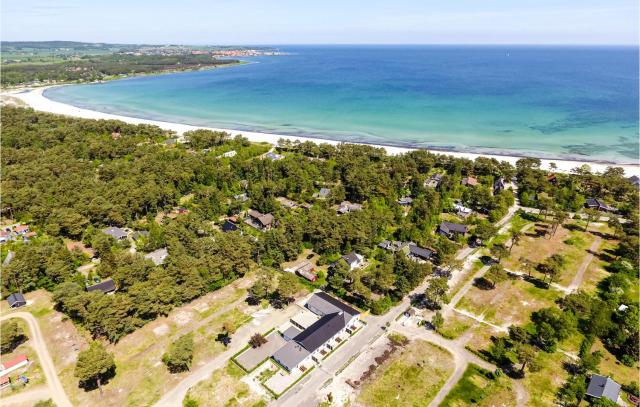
(180, 354)
(11, 335)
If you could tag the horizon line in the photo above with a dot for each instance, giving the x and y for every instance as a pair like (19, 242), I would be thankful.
(346, 43)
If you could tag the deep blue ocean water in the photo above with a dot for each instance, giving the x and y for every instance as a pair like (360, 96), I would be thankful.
(555, 102)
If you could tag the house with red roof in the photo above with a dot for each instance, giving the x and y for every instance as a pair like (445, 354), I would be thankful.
(4, 382)
(13, 364)
(21, 229)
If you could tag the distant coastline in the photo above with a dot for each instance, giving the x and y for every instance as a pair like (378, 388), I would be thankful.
(22, 87)
(36, 99)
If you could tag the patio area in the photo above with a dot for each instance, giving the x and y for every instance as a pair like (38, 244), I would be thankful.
(252, 357)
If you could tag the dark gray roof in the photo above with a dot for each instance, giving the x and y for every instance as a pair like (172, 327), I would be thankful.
(291, 354)
(420, 252)
(115, 232)
(229, 226)
(105, 286)
(449, 227)
(596, 203)
(322, 330)
(601, 386)
(322, 304)
(592, 202)
(16, 299)
(291, 332)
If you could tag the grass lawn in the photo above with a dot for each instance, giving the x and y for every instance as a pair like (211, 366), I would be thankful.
(411, 377)
(570, 242)
(476, 266)
(455, 325)
(224, 388)
(476, 387)
(480, 338)
(220, 301)
(511, 302)
(141, 377)
(610, 366)
(543, 385)
(521, 220)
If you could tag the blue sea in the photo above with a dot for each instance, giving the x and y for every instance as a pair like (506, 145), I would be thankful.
(551, 102)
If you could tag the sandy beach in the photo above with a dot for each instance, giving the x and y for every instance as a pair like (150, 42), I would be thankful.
(36, 100)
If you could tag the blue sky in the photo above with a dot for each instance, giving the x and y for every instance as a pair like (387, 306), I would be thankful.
(324, 22)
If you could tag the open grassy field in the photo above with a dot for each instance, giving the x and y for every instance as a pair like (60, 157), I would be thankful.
(610, 366)
(411, 377)
(511, 302)
(455, 325)
(141, 377)
(480, 338)
(224, 388)
(543, 385)
(570, 241)
(463, 280)
(478, 387)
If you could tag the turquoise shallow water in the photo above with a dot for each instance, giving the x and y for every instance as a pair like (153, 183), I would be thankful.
(554, 102)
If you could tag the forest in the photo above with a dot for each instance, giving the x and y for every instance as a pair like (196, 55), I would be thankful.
(69, 178)
(88, 68)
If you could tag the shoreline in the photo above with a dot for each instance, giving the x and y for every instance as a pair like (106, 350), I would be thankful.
(35, 99)
(9, 90)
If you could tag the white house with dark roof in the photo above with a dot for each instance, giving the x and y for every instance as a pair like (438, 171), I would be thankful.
(354, 260)
(451, 230)
(603, 386)
(594, 203)
(335, 320)
(412, 250)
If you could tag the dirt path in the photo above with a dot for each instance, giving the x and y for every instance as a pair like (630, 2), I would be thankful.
(577, 279)
(522, 396)
(56, 391)
(27, 397)
(461, 356)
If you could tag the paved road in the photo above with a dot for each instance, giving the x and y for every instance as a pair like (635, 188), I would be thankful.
(174, 397)
(56, 391)
(577, 279)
